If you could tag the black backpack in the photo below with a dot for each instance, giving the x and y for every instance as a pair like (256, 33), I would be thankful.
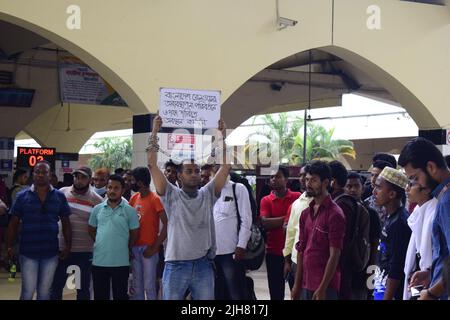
(357, 251)
(256, 247)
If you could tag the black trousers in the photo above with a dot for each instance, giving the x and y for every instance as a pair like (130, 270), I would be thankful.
(103, 277)
(275, 277)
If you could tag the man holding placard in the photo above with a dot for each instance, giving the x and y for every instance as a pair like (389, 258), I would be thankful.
(191, 244)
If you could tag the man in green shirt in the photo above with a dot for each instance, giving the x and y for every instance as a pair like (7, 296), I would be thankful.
(114, 226)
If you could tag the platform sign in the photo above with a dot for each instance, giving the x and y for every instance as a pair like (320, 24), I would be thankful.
(28, 157)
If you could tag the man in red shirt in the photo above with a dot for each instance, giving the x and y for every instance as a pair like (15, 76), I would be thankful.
(322, 231)
(273, 210)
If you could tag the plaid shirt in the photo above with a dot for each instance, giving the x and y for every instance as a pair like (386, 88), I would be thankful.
(39, 234)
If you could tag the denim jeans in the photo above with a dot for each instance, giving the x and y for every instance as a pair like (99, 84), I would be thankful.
(144, 274)
(275, 265)
(84, 261)
(229, 279)
(37, 275)
(103, 277)
(197, 276)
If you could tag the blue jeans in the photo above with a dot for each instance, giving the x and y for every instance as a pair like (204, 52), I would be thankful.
(37, 275)
(144, 274)
(84, 261)
(197, 276)
(230, 278)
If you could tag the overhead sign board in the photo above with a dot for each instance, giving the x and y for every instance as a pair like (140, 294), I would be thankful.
(28, 157)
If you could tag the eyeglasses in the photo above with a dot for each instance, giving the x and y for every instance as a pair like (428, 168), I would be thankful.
(412, 181)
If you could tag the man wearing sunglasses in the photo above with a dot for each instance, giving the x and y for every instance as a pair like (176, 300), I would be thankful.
(39, 208)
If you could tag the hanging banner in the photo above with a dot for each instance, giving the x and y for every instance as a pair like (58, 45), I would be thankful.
(81, 84)
(184, 108)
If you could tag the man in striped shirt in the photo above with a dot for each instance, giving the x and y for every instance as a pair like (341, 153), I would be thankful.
(81, 198)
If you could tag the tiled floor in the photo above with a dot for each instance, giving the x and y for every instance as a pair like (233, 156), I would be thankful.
(11, 290)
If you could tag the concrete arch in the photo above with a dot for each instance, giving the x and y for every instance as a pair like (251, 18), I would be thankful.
(127, 93)
(247, 103)
(219, 45)
(407, 99)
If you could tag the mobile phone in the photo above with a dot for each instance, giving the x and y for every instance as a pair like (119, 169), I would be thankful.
(415, 291)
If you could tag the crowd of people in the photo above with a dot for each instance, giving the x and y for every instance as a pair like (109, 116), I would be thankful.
(338, 236)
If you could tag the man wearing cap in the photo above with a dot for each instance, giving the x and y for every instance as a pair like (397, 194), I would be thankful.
(389, 192)
(81, 198)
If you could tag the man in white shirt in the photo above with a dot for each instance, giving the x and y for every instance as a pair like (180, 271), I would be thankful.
(232, 235)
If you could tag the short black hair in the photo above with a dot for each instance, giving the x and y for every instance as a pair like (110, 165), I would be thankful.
(418, 151)
(447, 161)
(284, 170)
(119, 171)
(19, 172)
(385, 157)
(355, 175)
(338, 172)
(381, 164)
(170, 163)
(142, 174)
(43, 162)
(304, 166)
(180, 166)
(118, 178)
(319, 168)
(207, 167)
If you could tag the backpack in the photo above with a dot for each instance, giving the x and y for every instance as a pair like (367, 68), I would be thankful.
(357, 252)
(256, 247)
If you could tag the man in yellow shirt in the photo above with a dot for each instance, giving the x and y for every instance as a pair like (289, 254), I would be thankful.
(292, 231)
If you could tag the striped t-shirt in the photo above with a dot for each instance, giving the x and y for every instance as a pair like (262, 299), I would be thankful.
(80, 207)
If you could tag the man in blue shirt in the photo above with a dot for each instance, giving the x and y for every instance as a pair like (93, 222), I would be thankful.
(425, 165)
(39, 208)
(114, 226)
(389, 191)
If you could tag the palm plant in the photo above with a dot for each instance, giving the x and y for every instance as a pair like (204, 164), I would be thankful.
(115, 153)
(285, 136)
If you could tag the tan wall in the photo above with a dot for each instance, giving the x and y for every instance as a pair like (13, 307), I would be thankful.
(219, 44)
(366, 149)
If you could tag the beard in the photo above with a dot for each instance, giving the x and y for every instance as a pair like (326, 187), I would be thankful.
(134, 187)
(81, 189)
(312, 193)
(114, 200)
(431, 183)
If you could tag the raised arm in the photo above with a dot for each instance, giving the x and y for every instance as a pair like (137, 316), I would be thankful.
(222, 175)
(159, 180)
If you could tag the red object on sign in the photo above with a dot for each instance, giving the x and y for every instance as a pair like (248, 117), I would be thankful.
(183, 141)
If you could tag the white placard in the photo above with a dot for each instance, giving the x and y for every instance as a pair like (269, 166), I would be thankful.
(185, 108)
